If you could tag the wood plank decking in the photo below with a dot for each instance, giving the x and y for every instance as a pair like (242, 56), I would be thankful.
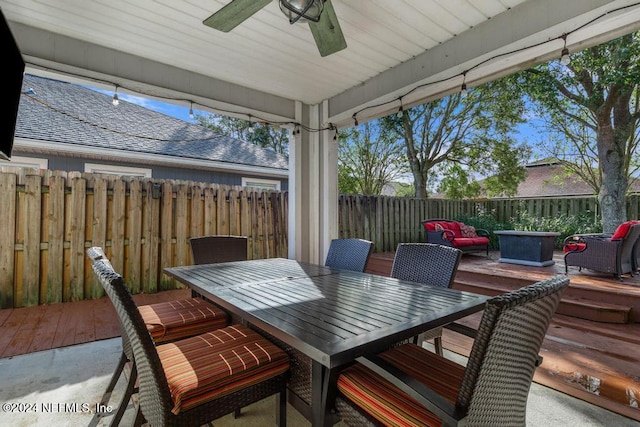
(595, 361)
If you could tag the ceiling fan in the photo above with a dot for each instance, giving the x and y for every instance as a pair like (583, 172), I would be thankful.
(319, 14)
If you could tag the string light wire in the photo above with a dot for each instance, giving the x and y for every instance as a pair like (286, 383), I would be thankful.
(298, 126)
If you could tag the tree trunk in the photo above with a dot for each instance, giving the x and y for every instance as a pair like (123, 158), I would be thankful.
(612, 196)
(419, 184)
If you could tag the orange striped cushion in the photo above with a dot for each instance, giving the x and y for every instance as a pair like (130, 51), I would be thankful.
(211, 365)
(168, 321)
(387, 403)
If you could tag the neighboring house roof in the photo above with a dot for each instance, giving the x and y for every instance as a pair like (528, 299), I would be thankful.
(547, 179)
(66, 113)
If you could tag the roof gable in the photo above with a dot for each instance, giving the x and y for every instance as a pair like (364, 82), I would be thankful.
(72, 114)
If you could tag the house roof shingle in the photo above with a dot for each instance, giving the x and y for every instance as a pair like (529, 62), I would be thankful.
(68, 113)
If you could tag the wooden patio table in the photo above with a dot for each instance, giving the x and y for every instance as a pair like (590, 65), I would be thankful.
(331, 316)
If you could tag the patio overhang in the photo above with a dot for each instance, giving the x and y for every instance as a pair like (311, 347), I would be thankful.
(395, 51)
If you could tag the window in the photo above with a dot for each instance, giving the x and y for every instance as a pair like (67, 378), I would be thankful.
(267, 184)
(26, 162)
(117, 170)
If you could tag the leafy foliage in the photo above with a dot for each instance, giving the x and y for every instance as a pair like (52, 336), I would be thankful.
(263, 135)
(368, 159)
(487, 221)
(591, 110)
(566, 225)
(457, 136)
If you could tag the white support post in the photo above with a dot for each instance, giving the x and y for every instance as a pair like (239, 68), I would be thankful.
(313, 201)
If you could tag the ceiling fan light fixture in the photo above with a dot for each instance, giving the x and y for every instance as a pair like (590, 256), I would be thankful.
(302, 10)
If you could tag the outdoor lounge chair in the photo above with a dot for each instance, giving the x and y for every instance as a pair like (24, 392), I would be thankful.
(408, 385)
(166, 322)
(195, 380)
(604, 253)
(428, 263)
(349, 254)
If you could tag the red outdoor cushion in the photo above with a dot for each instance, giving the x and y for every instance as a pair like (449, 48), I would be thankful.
(455, 227)
(437, 225)
(622, 230)
(572, 247)
(470, 241)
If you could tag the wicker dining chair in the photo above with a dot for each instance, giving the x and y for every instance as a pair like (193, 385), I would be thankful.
(195, 380)
(349, 254)
(218, 248)
(428, 263)
(166, 322)
(408, 385)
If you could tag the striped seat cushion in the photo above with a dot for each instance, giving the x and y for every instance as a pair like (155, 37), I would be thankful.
(168, 321)
(385, 402)
(217, 363)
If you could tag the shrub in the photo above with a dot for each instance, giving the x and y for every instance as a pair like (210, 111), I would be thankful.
(566, 225)
(584, 222)
(486, 221)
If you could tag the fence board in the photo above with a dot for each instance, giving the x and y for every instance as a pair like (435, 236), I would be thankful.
(181, 223)
(118, 224)
(165, 230)
(77, 220)
(222, 213)
(134, 249)
(151, 228)
(7, 238)
(31, 253)
(98, 232)
(55, 239)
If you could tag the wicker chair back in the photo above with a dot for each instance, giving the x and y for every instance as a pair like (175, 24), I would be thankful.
(214, 249)
(504, 355)
(349, 254)
(494, 384)
(426, 263)
(155, 402)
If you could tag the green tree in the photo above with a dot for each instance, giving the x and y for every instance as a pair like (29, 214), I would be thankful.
(458, 135)
(591, 110)
(261, 134)
(368, 159)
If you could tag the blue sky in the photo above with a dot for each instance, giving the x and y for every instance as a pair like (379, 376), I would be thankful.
(526, 131)
(167, 108)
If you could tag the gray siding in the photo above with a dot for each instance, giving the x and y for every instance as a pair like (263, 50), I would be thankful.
(162, 172)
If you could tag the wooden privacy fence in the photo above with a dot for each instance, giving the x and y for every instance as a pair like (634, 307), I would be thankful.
(50, 218)
(388, 221)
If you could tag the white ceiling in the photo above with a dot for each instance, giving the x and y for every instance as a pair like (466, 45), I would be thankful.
(265, 63)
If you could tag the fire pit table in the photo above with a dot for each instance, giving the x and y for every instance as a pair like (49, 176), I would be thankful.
(533, 248)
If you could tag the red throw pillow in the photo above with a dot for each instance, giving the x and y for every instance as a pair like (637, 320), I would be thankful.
(622, 230)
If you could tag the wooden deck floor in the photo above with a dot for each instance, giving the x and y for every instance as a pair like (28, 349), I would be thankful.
(593, 361)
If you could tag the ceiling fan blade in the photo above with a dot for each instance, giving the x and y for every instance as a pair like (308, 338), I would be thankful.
(234, 13)
(327, 32)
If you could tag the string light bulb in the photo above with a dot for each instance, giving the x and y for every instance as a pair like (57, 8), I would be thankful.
(355, 120)
(251, 129)
(191, 115)
(565, 59)
(400, 112)
(115, 101)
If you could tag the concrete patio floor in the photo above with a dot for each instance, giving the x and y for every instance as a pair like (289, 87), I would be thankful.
(62, 386)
